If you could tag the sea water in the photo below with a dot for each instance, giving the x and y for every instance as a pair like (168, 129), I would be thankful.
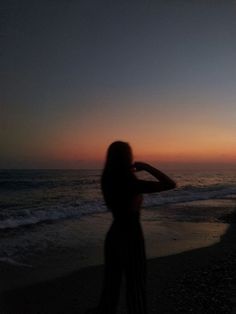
(29, 197)
(58, 212)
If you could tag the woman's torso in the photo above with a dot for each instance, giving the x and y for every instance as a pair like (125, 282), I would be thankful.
(122, 197)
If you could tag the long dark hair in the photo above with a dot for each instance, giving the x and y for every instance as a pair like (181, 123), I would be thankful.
(119, 157)
(117, 169)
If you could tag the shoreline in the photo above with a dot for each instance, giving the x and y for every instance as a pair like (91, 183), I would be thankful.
(79, 244)
(197, 281)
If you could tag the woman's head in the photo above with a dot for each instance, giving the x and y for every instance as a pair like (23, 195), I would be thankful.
(119, 156)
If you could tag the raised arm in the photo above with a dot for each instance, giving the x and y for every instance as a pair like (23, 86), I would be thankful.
(164, 182)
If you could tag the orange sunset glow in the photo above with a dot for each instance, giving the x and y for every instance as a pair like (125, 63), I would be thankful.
(165, 88)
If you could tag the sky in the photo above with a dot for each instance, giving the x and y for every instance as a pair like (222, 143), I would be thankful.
(78, 75)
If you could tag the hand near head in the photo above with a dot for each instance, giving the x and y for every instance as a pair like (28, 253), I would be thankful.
(139, 166)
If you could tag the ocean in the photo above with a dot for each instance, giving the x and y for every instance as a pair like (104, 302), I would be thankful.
(29, 197)
(54, 214)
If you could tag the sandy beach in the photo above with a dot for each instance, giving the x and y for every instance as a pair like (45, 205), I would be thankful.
(201, 280)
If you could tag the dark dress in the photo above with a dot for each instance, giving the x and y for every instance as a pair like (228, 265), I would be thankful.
(124, 247)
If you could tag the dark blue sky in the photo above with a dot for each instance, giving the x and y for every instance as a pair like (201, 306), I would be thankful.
(82, 73)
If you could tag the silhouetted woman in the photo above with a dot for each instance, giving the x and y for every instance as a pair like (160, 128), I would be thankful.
(124, 244)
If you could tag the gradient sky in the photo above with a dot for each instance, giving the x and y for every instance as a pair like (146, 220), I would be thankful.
(78, 75)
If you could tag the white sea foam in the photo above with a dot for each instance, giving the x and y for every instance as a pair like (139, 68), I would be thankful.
(190, 193)
(27, 217)
(11, 261)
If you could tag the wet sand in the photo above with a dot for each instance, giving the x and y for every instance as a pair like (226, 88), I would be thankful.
(79, 244)
(198, 281)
